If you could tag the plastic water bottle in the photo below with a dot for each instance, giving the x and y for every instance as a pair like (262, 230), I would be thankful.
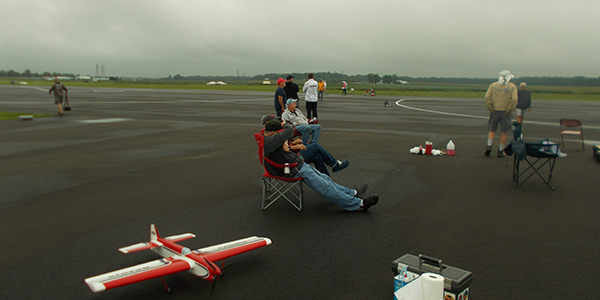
(450, 148)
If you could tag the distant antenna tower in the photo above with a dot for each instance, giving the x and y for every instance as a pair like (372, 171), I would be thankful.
(97, 71)
(102, 71)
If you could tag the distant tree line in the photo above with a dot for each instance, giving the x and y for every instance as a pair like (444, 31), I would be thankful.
(339, 77)
(27, 74)
(540, 81)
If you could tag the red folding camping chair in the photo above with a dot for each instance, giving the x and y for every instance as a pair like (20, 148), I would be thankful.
(277, 187)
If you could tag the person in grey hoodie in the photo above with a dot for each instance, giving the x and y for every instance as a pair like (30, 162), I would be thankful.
(277, 149)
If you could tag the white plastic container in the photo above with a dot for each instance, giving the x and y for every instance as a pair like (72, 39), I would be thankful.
(450, 148)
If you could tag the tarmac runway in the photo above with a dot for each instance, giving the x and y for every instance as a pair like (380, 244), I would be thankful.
(76, 188)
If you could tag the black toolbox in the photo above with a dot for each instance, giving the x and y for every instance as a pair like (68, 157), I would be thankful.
(456, 281)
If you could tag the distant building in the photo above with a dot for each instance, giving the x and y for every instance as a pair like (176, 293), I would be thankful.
(85, 78)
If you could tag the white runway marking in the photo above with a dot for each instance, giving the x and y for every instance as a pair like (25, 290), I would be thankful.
(475, 117)
(110, 120)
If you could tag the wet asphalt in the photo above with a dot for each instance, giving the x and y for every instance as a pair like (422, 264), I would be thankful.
(76, 188)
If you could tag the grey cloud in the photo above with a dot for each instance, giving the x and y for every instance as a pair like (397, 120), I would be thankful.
(414, 38)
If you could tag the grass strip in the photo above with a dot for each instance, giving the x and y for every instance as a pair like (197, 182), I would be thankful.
(7, 115)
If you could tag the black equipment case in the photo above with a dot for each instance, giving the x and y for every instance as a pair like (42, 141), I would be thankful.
(67, 106)
(456, 281)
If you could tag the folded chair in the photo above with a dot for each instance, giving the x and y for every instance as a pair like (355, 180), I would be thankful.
(571, 127)
(277, 187)
(533, 156)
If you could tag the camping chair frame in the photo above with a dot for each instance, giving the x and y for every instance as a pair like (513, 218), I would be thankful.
(543, 152)
(276, 187)
(535, 166)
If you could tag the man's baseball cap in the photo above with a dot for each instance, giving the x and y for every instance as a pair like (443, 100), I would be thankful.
(267, 118)
(289, 77)
(280, 80)
(273, 126)
(287, 103)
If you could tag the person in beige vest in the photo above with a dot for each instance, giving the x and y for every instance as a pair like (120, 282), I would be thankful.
(500, 99)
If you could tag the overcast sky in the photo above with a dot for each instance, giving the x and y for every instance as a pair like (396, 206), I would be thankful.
(440, 38)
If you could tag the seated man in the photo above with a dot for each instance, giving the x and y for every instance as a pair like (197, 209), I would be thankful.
(313, 153)
(310, 132)
(276, 148)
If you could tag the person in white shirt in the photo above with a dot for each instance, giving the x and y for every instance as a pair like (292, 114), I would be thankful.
(311, 97)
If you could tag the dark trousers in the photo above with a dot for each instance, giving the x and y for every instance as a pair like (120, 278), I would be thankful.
(315, 154)
(311, 110)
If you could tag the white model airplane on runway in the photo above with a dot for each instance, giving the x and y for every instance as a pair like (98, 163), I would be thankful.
(176, 259)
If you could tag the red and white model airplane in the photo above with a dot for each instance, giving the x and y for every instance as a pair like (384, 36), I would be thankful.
(176, 259)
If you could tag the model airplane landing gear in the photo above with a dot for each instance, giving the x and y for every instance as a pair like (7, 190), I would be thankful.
(166, 286)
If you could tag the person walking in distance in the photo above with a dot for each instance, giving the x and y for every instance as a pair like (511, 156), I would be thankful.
(58, 89)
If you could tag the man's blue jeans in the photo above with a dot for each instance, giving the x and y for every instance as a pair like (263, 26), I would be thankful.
(315, 154)
(338, 194)
(310, 132)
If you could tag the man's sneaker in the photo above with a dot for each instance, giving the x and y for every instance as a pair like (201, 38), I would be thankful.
(370, 201)
(488, 150)
(501, 153)
(340, 166)
(360, 192)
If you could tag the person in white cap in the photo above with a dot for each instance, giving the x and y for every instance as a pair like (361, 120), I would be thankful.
(500, 99)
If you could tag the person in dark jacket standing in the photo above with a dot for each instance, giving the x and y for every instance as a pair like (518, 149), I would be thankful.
(58, 89)
(524, 102)
(280, 97)
(291, 89)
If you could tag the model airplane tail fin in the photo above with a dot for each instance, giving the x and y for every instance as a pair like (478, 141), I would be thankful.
(144, 246)
(153, 233)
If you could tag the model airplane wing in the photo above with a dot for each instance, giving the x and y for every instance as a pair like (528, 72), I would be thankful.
(229, 249)
(153, 269)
